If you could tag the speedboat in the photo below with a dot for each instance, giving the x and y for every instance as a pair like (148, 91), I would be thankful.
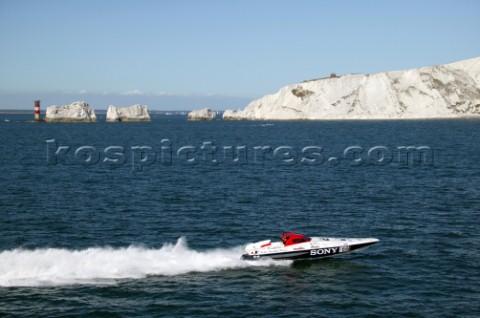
(294, 246)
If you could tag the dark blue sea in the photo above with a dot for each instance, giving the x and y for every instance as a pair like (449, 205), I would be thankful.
(150, 219)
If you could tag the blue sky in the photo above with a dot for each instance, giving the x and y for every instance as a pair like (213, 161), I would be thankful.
(222, 54)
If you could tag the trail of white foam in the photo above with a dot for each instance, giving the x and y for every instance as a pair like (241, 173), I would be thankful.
(53, 266)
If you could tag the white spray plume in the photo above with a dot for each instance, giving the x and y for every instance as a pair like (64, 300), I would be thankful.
(103, 265)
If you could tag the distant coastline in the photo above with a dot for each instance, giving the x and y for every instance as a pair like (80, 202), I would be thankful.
(100, 111)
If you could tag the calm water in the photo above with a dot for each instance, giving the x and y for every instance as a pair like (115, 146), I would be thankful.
(129, 234)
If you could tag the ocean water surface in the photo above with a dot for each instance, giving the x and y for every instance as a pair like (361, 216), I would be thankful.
(150, 219)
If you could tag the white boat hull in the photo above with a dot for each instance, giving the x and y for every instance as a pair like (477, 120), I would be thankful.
(317, 247)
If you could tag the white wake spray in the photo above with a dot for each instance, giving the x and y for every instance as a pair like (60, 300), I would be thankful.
(103, 265)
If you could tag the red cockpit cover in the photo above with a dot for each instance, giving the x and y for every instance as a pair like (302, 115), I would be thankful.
(290, 238)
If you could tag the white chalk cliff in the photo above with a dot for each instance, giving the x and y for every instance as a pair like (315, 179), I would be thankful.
(75, 112)
(442, 91)
(132, 113)
(202, 114)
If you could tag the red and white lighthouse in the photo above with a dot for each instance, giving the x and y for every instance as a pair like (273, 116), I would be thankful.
(37, 110)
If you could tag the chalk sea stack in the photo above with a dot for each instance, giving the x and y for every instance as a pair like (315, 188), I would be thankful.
(132, 113)
(75, 112)
(202, 114)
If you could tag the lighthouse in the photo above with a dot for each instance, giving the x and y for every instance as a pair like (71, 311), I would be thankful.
(37, 110)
